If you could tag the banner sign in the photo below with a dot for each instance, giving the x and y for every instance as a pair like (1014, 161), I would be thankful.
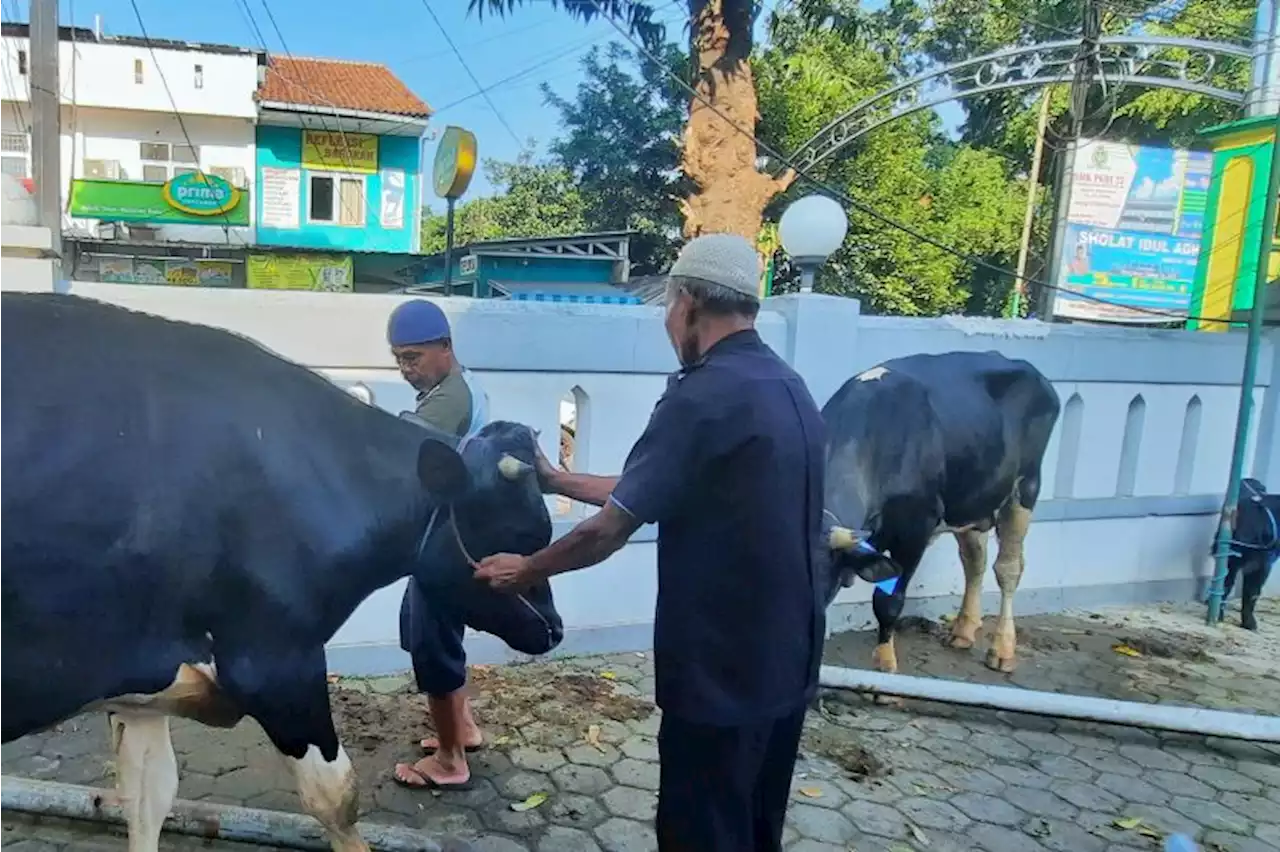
(1134, 221)
(172, 203)
(177, 271)
(322, 272)
(339, 152)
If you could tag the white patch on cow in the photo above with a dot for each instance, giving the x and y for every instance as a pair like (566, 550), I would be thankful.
(872, 374)
(193, 694)
(328, 792)
(146, 775)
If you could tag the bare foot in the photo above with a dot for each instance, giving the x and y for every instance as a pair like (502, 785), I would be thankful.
(471, 741)
(430, 772)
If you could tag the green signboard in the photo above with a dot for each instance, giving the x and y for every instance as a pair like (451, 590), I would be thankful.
(173, 203)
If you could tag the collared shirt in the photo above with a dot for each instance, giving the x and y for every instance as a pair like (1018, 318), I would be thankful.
(730, 467)
(448, 405)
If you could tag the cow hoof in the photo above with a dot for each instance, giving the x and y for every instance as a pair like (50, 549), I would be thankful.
(1249, 624)
(962, 643)
(997, 663)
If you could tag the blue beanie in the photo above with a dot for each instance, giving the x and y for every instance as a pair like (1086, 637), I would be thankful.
(417, 321)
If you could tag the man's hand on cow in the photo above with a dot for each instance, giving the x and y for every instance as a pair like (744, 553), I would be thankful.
(545, 470)
(508, 572)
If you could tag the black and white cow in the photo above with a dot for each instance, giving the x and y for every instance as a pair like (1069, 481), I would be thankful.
(188, 518)
(925, 444)
(1255, 547)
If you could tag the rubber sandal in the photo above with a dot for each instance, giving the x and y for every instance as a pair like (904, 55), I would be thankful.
(428, 783)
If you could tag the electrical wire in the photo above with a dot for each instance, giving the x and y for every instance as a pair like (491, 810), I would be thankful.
(467, 68)
(871, 211)
(182, 125)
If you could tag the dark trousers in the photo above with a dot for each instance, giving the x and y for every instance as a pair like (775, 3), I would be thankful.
(433, 622)
(725, 789)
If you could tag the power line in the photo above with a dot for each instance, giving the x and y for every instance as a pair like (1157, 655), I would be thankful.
(868, 209)
(465, 67)
(182, 125)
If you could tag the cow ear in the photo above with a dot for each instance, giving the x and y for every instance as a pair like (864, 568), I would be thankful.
(441, 470)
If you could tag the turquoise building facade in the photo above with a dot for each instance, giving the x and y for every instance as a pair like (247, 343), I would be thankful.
(314, 202)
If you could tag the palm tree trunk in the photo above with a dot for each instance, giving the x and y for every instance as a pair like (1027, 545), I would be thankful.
(730, 193)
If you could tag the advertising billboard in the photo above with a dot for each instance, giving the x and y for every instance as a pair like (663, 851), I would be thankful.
(1134, 222)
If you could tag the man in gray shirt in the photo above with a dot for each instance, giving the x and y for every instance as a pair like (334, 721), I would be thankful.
(433, 622)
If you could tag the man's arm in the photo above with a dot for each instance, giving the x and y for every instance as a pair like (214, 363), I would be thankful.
(589, 543)
(583, 487)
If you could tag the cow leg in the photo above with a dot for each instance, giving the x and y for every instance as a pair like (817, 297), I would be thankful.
(973, 555)
(285, 690)
(1011, 530)
(146, 774)
(1251, 589)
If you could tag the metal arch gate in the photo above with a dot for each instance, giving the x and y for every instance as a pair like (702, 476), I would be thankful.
(1127, 60)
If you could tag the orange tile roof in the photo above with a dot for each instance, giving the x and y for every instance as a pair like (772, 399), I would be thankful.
(366, 86)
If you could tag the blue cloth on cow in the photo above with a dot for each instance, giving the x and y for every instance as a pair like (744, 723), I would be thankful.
(434, 621)
(730, 467)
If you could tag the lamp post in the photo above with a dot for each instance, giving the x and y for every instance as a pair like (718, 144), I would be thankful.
(811, 229)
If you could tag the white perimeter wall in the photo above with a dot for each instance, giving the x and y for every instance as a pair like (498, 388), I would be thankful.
(1159, 405)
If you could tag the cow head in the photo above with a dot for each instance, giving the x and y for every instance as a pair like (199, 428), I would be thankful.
(489, 483)
(848, 527)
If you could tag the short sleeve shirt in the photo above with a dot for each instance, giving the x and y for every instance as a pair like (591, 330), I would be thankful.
(730, 467)
(447, 406)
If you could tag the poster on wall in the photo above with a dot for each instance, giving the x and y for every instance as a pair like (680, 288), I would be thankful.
(1134, 221)
(214, 273)
(323, 150)
(281, 198)
(115, 270)
(181, 272)
(148, 271)
(392, 212)
(324, 273)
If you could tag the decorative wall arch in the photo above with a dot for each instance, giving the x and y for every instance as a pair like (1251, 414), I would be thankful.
(1129, 60)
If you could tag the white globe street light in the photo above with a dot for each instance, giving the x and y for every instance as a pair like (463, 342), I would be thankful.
(811, 229)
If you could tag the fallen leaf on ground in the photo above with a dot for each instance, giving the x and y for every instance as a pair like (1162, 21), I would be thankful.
(529, 803)
(1148, 831)
(811, 792)
(500, 741)
(1126, 650)
(593, 737)
(1127, 823)
(918, 835)
(608, 675)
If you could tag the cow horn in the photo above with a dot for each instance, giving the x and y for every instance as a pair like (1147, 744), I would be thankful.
(841, 538)
(512, 468)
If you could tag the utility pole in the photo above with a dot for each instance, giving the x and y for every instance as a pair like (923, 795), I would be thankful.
(1086, 66)
(1024, 248)
(46, 131)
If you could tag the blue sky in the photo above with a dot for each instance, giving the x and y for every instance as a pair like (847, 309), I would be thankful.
(401, 34)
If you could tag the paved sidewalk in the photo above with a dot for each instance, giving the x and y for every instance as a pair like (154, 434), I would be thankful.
(923, 777)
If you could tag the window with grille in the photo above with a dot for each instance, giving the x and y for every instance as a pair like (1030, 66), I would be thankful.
(162, 161)
(233, 175)
(199, 77)
(337, 200)
(16, 148)
(22, 62)
(137, 72)
(103, 170)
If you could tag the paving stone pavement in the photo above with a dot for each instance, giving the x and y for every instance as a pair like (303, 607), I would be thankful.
(953, 778)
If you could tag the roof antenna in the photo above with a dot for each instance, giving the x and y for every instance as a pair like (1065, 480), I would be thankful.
(97, 28)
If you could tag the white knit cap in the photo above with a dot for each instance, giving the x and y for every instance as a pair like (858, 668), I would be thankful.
(725, 259)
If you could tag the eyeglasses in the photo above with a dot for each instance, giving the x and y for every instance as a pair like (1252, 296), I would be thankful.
(407, 357)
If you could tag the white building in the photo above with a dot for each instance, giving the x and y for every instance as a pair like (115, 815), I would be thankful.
(135, 113)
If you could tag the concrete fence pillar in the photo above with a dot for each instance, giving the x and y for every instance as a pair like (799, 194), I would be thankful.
(822, 339)
(27, 261)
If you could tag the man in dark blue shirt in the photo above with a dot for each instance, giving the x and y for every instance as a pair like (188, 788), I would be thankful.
(730, 467)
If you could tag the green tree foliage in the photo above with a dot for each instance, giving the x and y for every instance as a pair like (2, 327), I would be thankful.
(534, 199)
(907, 170)
(622, 146)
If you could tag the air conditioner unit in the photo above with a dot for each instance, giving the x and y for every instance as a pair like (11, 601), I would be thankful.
(102, 169)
